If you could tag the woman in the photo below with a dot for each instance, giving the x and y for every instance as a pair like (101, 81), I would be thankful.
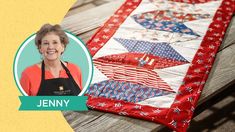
(52, 76)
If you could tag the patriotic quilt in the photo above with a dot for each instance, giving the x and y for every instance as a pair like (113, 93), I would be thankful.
(152, 58)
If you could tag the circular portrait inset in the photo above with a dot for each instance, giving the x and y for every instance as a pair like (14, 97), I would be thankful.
(53, 62)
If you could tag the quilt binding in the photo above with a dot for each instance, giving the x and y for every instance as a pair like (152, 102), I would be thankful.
(195, 77)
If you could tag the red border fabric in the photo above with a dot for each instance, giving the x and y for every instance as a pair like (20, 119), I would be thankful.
(180, 113)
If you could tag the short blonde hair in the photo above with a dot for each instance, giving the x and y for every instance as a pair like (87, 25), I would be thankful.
(47, 28)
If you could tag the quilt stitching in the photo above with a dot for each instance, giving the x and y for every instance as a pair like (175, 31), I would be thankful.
(180, 112)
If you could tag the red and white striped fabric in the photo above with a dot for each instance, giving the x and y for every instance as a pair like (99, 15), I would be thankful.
(152, 58)
(133, 74)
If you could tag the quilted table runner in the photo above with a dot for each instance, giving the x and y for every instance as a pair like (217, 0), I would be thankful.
(152, 58)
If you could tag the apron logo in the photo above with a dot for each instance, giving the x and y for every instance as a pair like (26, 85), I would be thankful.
(61, 88)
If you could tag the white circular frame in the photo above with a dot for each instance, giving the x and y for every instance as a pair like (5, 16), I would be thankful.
(88, 56)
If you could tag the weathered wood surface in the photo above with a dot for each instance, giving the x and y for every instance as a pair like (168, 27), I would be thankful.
(85, 23)
(82, 5)
(101, 122)
(90, 19)
(223, 71)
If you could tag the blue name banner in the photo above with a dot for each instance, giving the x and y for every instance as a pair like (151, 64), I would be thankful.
(77, 103)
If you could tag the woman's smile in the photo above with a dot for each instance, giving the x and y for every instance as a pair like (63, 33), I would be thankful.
(51, 52)
(51, 47)
(52, 55)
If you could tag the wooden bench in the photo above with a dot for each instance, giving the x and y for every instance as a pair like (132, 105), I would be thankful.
(83, 19)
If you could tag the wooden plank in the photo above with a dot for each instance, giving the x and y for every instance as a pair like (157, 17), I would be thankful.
(229, 35)
(80, 9)
(81, 6)
(90, 19)
(80, 3)
(222, 73)
(87, 35)
(99, 121)
(101, 2)
(220, 76)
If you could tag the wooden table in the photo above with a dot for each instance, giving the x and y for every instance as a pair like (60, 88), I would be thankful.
(83, 19)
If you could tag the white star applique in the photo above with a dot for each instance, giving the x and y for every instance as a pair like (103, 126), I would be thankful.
(101, 104)
(156, 111)
(117, 105)
(173, 123)
(96, 40)
(176, 110)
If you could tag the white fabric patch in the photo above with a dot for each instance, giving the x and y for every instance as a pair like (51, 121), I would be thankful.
(98, 76)
(110, 48)
(173, 76)
(160, 102)
(187, 53)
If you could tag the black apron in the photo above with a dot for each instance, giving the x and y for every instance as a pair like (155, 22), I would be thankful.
(58, 86)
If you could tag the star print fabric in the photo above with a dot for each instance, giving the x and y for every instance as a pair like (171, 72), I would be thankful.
(152, 58)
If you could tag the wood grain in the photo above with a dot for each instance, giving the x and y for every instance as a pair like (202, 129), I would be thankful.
(81, 9)
(87, 35)
(229, 35)
(80, 3)
(221, 75)
(82, 22)
(99, 121)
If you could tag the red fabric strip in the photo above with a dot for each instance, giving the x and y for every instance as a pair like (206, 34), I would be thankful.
(105, 32)
(180, 113)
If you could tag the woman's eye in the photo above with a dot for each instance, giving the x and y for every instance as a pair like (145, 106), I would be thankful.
(45, 43)
(55, 42)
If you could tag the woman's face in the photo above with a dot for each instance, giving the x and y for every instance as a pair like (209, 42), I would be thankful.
(51, 47)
